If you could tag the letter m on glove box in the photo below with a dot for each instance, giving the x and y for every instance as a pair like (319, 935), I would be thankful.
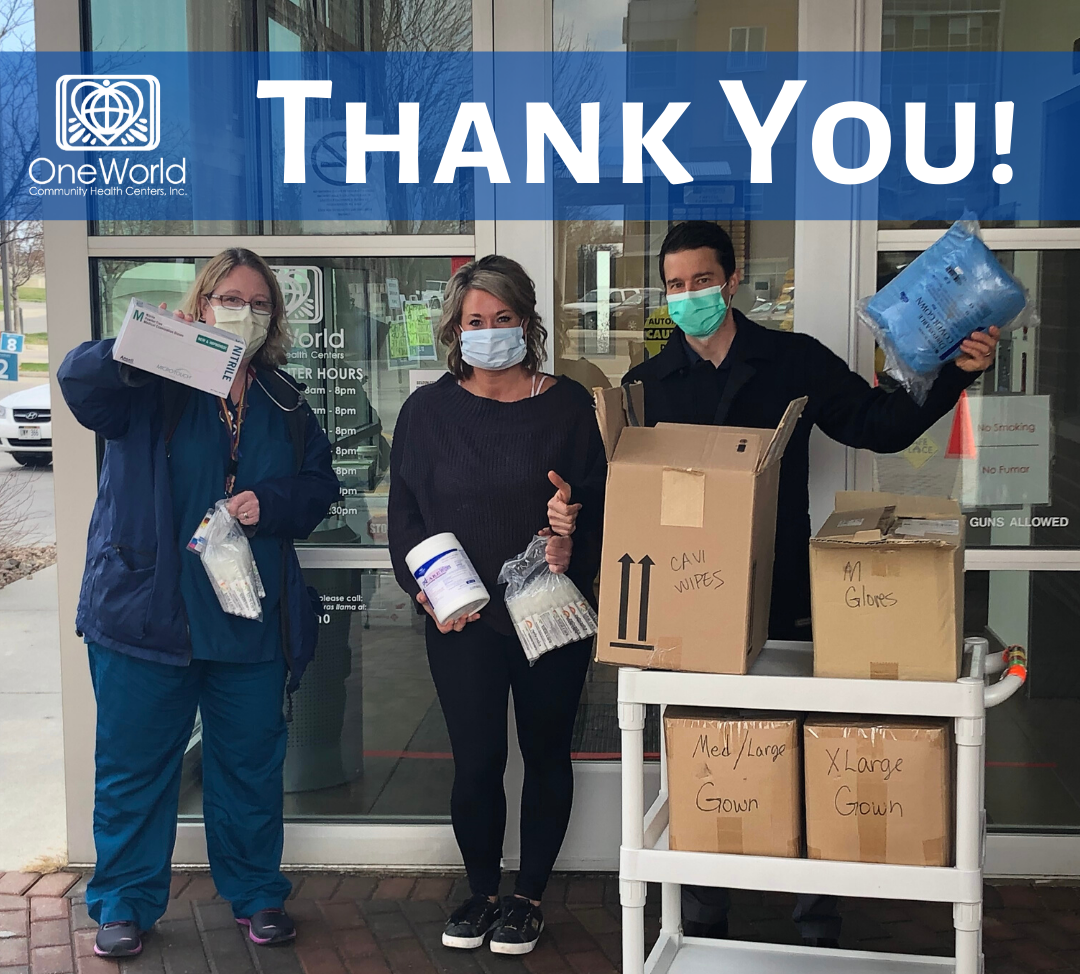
(689, 526)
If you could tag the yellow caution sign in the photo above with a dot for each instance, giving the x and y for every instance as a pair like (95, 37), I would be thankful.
(658, 328)
(921, 451)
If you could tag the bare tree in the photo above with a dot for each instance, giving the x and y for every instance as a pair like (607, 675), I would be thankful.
(16, 16)
(17, 519)
(26, 252)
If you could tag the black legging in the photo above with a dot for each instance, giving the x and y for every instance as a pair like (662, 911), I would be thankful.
(473, 671)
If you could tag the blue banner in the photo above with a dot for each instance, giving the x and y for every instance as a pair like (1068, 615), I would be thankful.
(428, 142)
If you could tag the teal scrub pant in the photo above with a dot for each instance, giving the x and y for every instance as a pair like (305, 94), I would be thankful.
(145, 715)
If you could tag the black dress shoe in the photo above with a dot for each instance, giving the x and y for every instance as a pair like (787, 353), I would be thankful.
(829, 942)
(711, 931)
(118, 939)
(267, 928)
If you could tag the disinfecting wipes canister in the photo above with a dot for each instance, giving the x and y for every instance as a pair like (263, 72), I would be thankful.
(447, 577)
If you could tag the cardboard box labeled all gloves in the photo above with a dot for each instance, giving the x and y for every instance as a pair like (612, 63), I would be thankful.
(733, 782)
(190, 352)
(689, 524)
(878, 790)
(887, 585)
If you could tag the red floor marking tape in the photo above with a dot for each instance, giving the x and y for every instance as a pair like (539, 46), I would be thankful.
(447, 756)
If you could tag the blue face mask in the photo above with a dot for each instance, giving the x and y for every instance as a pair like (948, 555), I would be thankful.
(698, 313)
(493, 349)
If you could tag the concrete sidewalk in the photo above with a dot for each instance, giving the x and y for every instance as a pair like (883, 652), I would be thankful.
(32, 817)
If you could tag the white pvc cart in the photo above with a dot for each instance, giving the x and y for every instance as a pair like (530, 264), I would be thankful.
(781, 679)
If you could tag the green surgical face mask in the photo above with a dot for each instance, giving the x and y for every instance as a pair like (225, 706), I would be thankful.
(699, 313)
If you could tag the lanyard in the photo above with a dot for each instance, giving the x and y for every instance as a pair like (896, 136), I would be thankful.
(234, 425)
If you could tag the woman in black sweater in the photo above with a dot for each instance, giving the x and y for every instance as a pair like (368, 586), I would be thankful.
(498, 452)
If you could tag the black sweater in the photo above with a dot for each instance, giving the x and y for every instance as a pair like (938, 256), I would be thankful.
(479, 468)
(768, 370)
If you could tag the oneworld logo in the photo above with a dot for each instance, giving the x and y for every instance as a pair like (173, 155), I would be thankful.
(108, 112)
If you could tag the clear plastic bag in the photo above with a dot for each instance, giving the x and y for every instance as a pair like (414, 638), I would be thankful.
(547, 608)
(223, 547)
(953, 288)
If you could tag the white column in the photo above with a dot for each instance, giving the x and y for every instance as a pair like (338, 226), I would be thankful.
(836, 260)
(75, 467)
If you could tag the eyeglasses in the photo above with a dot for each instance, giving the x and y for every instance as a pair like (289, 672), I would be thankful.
(234, 303)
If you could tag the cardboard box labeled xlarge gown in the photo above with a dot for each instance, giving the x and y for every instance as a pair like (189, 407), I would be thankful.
(689, 527)
(878, 790)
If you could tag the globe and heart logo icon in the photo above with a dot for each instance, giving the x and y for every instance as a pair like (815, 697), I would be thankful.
(108, 112)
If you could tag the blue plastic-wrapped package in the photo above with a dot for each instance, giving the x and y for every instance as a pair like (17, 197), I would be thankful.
(953, 288)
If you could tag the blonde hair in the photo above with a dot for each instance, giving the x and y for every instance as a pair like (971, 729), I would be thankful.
(274, 351)
(506, 280)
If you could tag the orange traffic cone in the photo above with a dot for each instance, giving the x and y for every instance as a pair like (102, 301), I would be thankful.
(962, 436)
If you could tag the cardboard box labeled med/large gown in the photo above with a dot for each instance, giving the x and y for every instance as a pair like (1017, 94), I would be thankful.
(734, 782)
(887, 588)
(189, 352)
(689, 526)
(878, 790)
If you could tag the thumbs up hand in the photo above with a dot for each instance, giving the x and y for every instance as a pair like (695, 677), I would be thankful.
(562, 515)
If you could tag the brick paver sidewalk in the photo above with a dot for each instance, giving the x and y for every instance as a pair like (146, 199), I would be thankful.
(359, 924)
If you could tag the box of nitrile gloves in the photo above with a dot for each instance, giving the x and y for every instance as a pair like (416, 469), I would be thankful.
(190, 352)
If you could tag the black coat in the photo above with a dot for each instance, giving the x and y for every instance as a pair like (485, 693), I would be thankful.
(770, 368)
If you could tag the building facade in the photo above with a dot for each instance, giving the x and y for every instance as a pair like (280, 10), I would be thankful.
(369, 770)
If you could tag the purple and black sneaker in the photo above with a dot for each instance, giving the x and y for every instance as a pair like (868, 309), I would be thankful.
(268, 928)
(121, 938)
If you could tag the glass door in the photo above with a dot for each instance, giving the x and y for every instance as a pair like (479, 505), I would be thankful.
(368, 767)
(608, 302)
(1008, 452)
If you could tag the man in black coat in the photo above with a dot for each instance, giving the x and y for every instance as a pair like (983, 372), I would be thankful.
(720, 368)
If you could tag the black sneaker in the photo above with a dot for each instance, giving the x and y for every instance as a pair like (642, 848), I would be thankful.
(268, 928)
(118, 939)
(519, 928)
(471, 922)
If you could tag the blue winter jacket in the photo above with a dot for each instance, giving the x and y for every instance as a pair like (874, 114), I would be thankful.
(130, 599)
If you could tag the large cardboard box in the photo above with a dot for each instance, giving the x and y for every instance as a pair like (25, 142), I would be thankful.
(689, 524)
(878, 790)
(887, 584)
(734, 782)
(190, 352)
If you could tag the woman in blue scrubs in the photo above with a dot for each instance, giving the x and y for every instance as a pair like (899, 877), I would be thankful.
(160, 645)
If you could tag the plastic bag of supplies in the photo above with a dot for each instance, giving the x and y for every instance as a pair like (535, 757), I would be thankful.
(221, 544)
(548, 610)
(953, 288)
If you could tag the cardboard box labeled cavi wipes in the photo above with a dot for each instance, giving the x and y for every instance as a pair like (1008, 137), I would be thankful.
(887, 586)
(190, 352)
(734, 782)
(689, 524)
(878, 790)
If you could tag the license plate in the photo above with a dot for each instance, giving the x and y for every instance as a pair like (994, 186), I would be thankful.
(29, 432)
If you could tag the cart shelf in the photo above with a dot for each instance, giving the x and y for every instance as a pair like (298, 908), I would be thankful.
(781, 679)
(688, 955)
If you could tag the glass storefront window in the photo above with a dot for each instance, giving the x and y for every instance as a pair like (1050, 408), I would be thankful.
(364, 339)
(1009, 451)
(280, 26)
(367, 740)
(988, 26)
(1032, 771)
(610, 304)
